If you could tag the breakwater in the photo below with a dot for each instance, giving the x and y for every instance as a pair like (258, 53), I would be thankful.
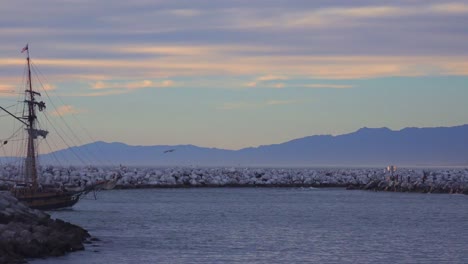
(29, 233)
(447, 180)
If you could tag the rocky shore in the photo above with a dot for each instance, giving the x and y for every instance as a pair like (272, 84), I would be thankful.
(28, 233)
(392, 184)
(446, 180)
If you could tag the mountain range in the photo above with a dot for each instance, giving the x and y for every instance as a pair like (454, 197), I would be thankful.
(438, 146)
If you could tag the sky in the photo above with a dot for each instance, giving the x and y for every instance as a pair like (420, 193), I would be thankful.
(237, 73)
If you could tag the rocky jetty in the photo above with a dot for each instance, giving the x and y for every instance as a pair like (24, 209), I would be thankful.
(429, 182)
(449, 180)
(28, 233)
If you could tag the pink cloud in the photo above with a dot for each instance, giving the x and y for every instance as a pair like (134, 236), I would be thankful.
(65, 110)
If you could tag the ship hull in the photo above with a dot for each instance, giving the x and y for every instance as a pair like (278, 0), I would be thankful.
(48, 200)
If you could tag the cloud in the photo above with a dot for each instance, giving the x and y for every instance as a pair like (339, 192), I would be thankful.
(166, 83)
(6, 87)
(266, 81)
(327, 85)
(319, 67)
(7, 90)
(49, 87)
(279, 85)
(10, 89)
(234, 40)
(343, 16)
(251, 84)
(364, 12)
(450, 8)
(65, 110)
(271, 77)
(133, 85)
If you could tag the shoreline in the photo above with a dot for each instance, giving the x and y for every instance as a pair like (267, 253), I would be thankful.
(27, 234)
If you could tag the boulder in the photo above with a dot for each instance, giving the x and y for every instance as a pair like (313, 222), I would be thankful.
(29, 233)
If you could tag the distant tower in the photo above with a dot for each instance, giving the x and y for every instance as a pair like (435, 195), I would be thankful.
(391, 169)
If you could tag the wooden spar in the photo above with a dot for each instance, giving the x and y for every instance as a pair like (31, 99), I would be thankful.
(16, 181)
(17, 118)
(30, 162)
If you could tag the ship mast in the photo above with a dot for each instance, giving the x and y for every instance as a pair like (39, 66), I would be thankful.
(31, 118)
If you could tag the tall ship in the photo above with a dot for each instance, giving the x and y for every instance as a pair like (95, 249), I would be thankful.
(27, 189)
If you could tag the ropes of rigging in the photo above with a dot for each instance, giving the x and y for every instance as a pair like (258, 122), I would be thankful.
(62, 130)
(88, 150)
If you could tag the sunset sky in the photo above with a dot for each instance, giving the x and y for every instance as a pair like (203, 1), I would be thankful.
(238, 73)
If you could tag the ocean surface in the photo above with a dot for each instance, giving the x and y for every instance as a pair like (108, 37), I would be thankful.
(270, 225)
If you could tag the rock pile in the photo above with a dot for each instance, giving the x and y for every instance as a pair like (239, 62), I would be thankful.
(454, 180)
(29, 233)
(428, 182)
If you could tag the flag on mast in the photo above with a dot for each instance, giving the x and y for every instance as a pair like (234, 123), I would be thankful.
(24, 49)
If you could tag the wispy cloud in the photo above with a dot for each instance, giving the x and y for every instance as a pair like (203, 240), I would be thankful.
(251, 84)
(93, 48)
(66, 110)
(328, 85)
(267, 81)
(133, 85)
(345, 16)
(271, 77)
(318, 67)
(450, 8)
(49, 87)
(6, 87)
(279, 85)
(7, 91)
(272, 41)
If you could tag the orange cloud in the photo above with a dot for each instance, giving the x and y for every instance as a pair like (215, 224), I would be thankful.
(49, 87)
(271, 77)
(133, 85)
(211, 63)
(450, 8)
(65, 110)
(262, 80)
(7, 90)
(6, 87)
(328, 67)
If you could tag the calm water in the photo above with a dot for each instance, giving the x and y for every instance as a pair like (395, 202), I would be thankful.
(270, 225)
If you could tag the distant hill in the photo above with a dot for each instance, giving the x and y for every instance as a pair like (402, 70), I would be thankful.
(440, 146)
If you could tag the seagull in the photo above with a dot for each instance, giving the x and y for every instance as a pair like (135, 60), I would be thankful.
(169, 150)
